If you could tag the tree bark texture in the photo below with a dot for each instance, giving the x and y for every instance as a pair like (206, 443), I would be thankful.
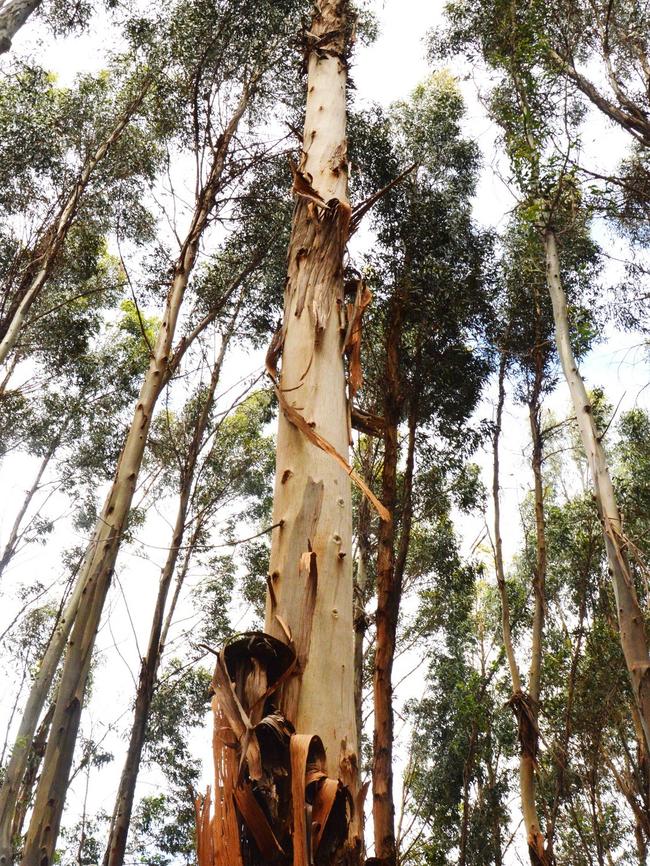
(388, 600)
(38, 694)
(312, 499)
(97, 570)
(13, 14)
(630, 616)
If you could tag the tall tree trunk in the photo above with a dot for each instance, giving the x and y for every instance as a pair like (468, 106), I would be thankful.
(630, 616)
(388, 599)
(38, 694)
(360, 621)
(312, 499)
(116, 847)
(525, 706)
(102, 551)
(13, 14)
(39, 268)
(31, 773)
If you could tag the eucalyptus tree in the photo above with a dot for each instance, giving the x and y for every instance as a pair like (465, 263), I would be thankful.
(95, 154)
(206, 59)
(525, 342)
(601, 48)
(533, 113)
(72, 421)
(428, 275)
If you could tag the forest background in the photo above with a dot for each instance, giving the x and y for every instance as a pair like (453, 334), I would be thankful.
(447, 800)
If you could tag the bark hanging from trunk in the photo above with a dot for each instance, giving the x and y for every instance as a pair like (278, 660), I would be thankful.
(312, 499)
(630, 616)
(40, 267)
(97, 570)
(116, 847)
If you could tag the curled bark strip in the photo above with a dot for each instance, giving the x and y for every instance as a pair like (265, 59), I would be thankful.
(227, 704)
(295, 418)
(352, 344)
(528, 732)
(257, 823)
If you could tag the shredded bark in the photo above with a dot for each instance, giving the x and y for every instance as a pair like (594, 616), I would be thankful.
(528, 732)
(273, 802)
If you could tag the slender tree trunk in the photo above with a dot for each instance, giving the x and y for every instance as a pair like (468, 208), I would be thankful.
(388, 600)
(116, 847)
(312, 497)
(360, 622)
(14, 536)
(40, 267)
(102, 551)
(524, 706)
(31, 773)
(630, 616)
(39, 691)
(13, 14)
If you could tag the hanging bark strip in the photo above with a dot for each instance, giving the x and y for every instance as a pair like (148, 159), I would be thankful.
(633, 635)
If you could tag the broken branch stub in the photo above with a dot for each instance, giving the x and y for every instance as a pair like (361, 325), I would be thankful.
(273, 802)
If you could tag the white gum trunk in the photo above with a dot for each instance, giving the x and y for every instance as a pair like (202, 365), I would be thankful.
(630, 616)
(13, 14)
(312, 492)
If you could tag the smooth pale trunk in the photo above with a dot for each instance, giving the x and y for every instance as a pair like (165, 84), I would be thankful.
(312, 493)
(116, 847)
(630, 615)
(96, 573)
(59, 231)
(38, 695)
(13, 15)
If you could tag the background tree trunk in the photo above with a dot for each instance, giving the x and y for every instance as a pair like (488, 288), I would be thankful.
(630, 616)
(102, 551)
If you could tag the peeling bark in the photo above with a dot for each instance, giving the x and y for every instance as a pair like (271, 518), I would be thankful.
(630, 616)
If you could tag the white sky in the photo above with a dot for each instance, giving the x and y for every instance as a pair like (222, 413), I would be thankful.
(384, 71)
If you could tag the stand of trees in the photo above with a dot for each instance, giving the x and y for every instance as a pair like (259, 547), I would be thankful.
(261, 369)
